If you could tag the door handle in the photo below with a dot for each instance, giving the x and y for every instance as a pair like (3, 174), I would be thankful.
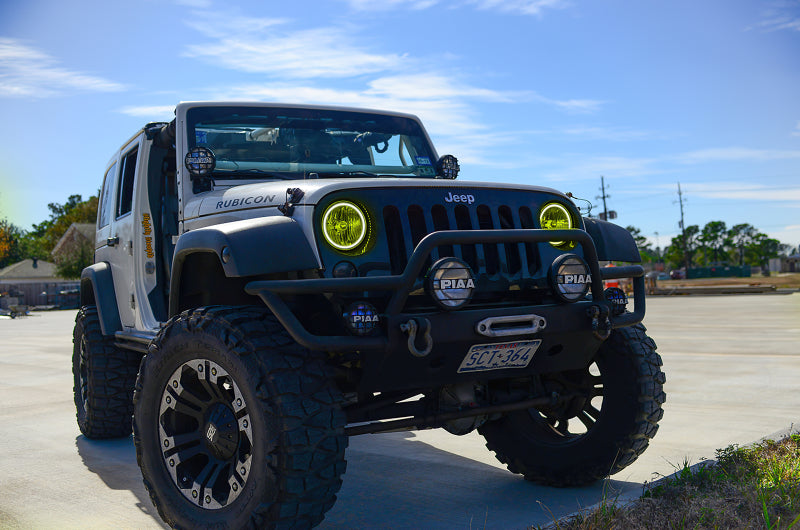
(112, 241)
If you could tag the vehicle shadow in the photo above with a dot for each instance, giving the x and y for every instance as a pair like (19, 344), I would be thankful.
(396, 480)
(114, 461)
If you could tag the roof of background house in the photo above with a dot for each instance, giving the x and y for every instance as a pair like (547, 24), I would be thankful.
(79, 230)
(29, 269)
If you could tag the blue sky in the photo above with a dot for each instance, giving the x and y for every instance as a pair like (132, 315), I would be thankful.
(548, 92)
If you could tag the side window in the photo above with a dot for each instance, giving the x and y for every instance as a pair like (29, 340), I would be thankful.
(125, 192)
(106, 205)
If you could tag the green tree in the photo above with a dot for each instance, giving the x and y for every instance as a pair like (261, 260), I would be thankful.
(10, 246)
(70, 263)
(645, 248)
(713, 239)
(741, 236)
(39, 241)
(681, 252)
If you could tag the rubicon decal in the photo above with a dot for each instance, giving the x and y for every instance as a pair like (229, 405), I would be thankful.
(246, 201)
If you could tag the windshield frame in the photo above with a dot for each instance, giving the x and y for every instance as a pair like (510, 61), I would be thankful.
(335, 123)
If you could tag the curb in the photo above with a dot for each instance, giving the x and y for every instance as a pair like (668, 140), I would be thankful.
(625, 499)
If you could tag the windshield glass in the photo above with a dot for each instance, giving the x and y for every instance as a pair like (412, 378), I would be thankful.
(269, 142)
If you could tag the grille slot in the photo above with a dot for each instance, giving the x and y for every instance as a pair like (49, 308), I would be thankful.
(511, 261)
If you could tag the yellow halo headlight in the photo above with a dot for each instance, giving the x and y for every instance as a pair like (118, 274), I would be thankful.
(345, 226)
(555, 216)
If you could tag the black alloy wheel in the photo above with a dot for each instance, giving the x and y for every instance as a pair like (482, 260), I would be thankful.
(206, 433)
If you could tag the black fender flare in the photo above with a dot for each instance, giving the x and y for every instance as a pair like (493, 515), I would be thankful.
(250, 247)
(613, 243)
(97, 288)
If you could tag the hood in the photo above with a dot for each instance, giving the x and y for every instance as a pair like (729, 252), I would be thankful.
(272, 194)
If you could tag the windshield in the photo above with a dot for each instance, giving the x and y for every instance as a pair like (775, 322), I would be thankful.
(269, 142)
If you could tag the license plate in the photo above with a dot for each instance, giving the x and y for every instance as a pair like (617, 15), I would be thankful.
(482, 357)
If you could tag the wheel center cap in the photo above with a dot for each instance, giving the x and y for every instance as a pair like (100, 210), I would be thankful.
(221, 432)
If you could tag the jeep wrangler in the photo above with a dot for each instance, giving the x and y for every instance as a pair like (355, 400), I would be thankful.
(270, 280)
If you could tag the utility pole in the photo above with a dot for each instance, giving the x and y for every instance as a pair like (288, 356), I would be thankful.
(604, 197)
(683, 232)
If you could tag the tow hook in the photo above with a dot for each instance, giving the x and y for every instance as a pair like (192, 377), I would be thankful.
(601, 324)
(411, 328)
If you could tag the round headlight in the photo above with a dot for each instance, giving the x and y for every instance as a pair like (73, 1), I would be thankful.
(344, 226)
(555, 216)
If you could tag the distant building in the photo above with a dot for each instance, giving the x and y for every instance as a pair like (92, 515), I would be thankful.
(76, 236)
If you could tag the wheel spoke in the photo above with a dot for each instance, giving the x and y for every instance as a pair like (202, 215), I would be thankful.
(587, 420)
(591, 411)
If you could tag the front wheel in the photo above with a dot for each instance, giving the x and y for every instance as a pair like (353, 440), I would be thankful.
(235, 425)
(599, 432)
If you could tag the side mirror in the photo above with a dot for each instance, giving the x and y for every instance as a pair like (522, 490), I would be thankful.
(447, 167)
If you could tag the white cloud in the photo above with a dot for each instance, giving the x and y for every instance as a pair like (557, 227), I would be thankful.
(743, 191)
(153, 112)
(782, 15)
(386, 5)
(735, 154)
(28, 72)
(577, 167)
(265, 46)
(613, 134)
(524, 7)
(796, 131)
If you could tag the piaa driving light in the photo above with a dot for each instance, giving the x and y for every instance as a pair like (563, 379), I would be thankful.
(450, 283)
(345, 226)
(555, 216)
(361, 318)
(570, 277)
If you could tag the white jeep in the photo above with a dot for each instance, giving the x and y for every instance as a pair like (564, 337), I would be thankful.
(272, 279)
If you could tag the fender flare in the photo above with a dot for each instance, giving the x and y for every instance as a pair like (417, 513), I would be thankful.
(250, 247)
(613, 243)
(97, 288)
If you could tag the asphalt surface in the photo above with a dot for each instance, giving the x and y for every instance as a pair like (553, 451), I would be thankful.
(733, 370)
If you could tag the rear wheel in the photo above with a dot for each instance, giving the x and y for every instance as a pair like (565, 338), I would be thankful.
(103, 378)
(236, 425)
(596, 434)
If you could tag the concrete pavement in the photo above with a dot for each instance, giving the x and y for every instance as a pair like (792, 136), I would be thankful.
(733, 370)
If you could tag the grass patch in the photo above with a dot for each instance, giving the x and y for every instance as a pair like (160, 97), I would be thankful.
(747, 487)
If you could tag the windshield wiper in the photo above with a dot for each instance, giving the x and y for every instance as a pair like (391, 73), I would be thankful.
(334, 174)
(248, 173)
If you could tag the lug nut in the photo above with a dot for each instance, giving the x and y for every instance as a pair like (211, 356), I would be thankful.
(208, 499)
(174, 383)
(171, 462)
(166, 443)
(169, 400)
(194, 493)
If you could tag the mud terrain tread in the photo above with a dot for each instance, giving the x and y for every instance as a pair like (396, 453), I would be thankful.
(111, 376)
(640, 352)
(308, 458)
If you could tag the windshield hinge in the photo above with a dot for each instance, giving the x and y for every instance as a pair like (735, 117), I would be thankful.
(293, 196)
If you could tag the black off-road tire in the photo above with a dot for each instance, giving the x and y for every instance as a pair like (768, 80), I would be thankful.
(103, 379)
(529, 442)
(289, 426)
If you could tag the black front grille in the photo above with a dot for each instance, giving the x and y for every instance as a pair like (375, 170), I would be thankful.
(405, 227)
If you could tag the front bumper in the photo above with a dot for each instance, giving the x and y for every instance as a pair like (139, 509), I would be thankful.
(569, 341)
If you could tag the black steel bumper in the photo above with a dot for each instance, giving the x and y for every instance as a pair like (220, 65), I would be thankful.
(401, 285)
